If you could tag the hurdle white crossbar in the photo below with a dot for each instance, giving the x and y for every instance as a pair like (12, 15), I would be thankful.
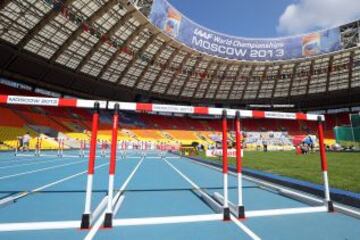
(149, 107)
(166, 220)
(31, 226)
(163, 108)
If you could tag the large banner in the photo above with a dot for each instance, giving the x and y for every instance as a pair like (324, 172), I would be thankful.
(173, 23)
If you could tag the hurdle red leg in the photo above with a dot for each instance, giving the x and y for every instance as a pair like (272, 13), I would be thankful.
(83, 147)
(37, 146)
(40, 145)
(241, 209)
(103, 148)
(85, 221)
(17, 146)
(112, 167)
(59, 147)
(226, 208)
(324, 166)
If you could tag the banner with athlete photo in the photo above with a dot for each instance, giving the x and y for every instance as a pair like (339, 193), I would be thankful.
(173, 23)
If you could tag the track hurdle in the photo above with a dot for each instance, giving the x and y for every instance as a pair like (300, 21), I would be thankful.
(231, 113)
(103, 148)
(17, 148)
(61, 146)
(82, 148)
(38, 147)
(123, 148)
(162, 150)
(143, 148)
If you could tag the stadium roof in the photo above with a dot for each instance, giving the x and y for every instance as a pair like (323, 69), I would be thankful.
(109, 49)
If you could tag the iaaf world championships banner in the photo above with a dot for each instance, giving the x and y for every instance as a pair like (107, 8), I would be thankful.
(172, 22)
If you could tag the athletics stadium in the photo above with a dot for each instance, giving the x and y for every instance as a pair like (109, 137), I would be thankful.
(125, 119)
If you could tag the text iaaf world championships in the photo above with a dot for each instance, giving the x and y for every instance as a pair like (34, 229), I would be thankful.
(236, 47)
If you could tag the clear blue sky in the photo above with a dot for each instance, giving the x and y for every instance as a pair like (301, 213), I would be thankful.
(247, 18)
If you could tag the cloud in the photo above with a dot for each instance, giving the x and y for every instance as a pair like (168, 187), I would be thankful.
(308, 15)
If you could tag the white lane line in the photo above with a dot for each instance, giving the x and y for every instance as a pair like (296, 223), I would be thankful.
(40, 170)
(56, 156)
(19, 160)
(23, 194)
(285, 211)
(14, 160)
(29, 164)
(98, 157)
(100, 220)
(30, 226)
(35, 157)
(50, 155)
(273, 212)
(122, 188)
(242, 226)
(214, 205)
(167, 220)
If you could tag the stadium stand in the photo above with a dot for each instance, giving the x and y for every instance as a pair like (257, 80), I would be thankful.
(75, 124)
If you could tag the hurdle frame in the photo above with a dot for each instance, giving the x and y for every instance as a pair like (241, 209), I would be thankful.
(61, 145)
(242, 114)
(226, 113)
(82, 148)
(38, 146)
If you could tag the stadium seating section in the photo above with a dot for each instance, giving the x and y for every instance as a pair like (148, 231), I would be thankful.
(75, 124)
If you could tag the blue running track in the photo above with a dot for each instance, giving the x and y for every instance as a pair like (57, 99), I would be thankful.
(52, 189)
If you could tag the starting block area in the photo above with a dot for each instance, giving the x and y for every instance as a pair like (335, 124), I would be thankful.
(155, 197)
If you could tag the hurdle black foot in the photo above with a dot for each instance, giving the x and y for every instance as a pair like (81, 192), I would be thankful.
(227, 214)
(241, 212)
(330, 206)
(85, 221)
(108, 220)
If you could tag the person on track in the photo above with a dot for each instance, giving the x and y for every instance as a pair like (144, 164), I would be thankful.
(26, 141)
(20, 144)
(309, 142)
